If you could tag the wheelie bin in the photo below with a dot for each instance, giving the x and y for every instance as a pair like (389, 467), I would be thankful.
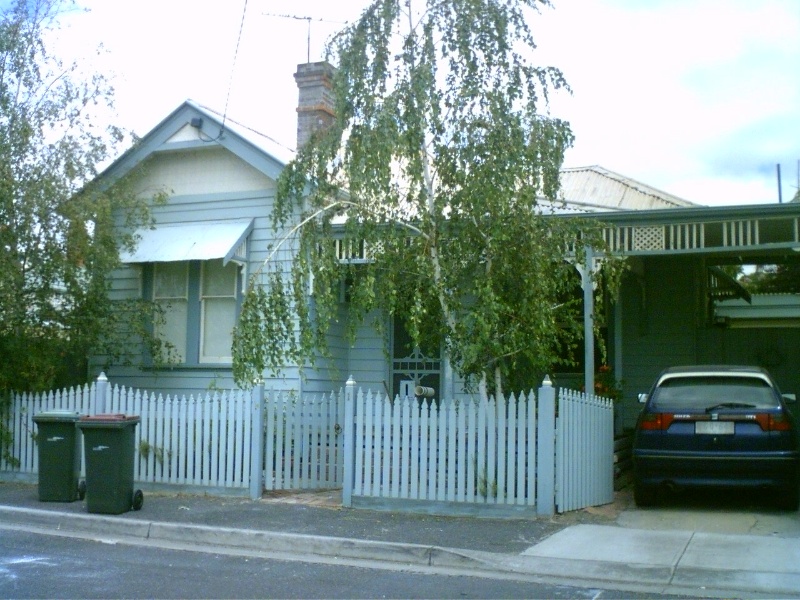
(59, 456)
(109, 447)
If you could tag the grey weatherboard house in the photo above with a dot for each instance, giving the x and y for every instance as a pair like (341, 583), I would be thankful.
(216, 230)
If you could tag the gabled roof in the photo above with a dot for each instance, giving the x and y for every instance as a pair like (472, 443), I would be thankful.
(258, 150)
(595, 189)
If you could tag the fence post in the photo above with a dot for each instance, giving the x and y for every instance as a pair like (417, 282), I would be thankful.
(546, 452)
(257, 441)
(349, 445)
(101, 390)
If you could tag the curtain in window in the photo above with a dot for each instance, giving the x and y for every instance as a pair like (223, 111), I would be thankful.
(170, 292)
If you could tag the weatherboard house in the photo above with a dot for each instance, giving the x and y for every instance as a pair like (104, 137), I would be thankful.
(676, 305)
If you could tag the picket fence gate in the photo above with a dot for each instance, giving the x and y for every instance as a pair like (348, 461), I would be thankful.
(303, 441)
(547, 452)
(584, 451)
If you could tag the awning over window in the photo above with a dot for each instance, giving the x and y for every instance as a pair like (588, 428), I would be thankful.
(190, 241)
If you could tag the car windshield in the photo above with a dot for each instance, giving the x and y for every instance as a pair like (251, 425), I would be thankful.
(704, 392)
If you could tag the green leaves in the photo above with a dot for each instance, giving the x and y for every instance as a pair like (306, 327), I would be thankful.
(438, 161)
(58, 236)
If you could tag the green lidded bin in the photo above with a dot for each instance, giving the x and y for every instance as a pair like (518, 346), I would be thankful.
(109, 447)
(59, 456)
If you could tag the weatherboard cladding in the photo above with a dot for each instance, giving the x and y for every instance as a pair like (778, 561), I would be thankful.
(366, 362)
(217, 169)
(207, 169)
(206, 184)
(659, 319)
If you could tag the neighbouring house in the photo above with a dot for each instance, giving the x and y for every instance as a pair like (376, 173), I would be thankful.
(676, 306)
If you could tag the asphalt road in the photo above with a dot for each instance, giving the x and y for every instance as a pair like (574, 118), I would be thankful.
(40, 566)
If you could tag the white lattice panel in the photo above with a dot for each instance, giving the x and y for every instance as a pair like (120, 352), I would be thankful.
(648, 238)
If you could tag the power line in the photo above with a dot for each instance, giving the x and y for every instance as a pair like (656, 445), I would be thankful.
(233, 66)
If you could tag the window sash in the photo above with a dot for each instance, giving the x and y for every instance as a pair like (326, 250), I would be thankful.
(217, 311)
(171, 293)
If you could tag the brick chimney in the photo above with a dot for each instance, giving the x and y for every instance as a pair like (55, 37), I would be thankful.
(315, 99)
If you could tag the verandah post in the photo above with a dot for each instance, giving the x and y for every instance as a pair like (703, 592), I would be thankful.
(257, 441)
(349, 446)
(587, 273)
(546, 452)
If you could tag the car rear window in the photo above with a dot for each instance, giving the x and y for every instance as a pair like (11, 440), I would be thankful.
(702, 392)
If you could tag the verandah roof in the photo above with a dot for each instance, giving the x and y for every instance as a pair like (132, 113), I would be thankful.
(702, 230)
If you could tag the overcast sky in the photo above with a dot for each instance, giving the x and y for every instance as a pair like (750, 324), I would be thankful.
(700, 98)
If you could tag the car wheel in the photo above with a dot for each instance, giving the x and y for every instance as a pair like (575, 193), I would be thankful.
(643, 495)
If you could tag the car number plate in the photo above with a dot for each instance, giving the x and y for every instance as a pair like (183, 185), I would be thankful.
(715, 427)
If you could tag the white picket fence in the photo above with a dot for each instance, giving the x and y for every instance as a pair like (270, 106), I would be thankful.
(199, 442)
(584, 451)
(526, 452)
(18, 418)
(520, 453)
(304, 444)
(466, 451)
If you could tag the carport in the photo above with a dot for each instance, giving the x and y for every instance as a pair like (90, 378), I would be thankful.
(680, 304)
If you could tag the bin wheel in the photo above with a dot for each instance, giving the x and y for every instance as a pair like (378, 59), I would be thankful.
(138, 500)
(82, 490)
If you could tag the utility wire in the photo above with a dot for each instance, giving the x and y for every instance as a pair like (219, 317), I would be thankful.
(233, 68)
(238, 44)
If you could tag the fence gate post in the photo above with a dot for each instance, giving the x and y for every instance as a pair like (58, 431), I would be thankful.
(257, 441)
(349, 445)
(546, 452)
(100, 390)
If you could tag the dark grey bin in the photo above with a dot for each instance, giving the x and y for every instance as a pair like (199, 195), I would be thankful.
(109, 446)
(59, 443)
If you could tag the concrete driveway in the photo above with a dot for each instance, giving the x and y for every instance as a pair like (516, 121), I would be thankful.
(710, 511)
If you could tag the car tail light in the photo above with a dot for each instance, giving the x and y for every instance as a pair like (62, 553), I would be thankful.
(773, 422)
(656, 421)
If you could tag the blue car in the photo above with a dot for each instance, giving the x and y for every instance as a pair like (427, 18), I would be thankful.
(716, 426)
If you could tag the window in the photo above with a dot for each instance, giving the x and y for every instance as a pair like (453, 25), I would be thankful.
(218, 310)
(702, 392)
(200, 302)
(170, 292)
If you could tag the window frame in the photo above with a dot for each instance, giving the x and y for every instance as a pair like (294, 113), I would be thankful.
(193, 358)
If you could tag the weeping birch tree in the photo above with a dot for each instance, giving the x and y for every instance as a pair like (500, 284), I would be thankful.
(440, 163)
(59, 229)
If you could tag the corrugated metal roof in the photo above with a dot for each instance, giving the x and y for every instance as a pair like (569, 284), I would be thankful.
(595, 189)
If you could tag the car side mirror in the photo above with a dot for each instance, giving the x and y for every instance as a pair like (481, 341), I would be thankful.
(790, 397)
(642, 398)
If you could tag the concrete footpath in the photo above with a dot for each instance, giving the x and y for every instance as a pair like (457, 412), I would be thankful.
(739, 550)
